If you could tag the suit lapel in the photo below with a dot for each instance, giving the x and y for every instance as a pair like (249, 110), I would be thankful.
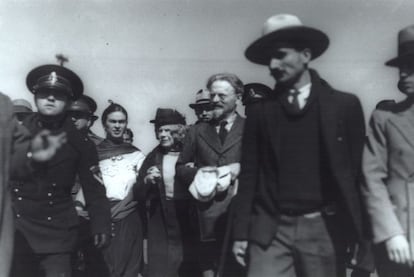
(210, 137)
(404, 126)
(272, 112)
(235, 134)
(328, 115)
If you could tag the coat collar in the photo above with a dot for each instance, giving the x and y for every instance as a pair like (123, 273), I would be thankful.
(405, 125)
(327, 112)
(210, 136)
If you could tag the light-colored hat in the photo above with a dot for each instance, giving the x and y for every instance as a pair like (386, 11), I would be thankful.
(202, 98)
(405, 46)
(22, 106)
(286, 29)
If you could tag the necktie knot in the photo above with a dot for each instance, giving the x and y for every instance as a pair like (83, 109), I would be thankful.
(294, 101)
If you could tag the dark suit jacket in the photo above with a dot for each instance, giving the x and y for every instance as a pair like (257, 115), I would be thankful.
(42, 202)
(202, 146)
(343, 130)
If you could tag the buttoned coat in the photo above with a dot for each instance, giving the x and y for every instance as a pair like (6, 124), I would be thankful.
(388, 166)
(202, 147)
(42, 203)
(342, 135)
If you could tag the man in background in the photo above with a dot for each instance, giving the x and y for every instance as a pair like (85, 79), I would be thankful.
(202, 106)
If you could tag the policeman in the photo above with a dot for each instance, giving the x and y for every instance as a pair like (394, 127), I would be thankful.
(253, 93)
(81, 111)
(45, 217)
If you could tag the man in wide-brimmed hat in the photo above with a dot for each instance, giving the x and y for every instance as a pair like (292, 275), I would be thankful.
(298, 204)
(388, 169)
(202, 106)
(46, 221)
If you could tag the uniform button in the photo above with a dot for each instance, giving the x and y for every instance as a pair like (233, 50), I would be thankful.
(340, 138)
(54, 185)
(16, 190)
(18, 215)
(49, 218)
(49, 194)
(50, 203)
(19, 198)
(113, 234)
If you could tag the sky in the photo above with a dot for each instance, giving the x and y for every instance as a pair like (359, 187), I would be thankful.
(145, 54)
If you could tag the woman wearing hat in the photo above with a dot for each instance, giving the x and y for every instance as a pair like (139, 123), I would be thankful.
(119, 163)
(388, 167)
(168, 210)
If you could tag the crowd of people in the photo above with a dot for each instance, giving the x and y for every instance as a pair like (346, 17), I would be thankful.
(294, 187)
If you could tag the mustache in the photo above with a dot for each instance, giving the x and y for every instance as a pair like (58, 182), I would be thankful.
(276, 72)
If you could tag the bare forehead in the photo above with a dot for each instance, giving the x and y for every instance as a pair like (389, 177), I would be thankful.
(221, 86)
(117, 116)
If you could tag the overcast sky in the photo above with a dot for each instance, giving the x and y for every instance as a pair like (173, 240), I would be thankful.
(146, 54)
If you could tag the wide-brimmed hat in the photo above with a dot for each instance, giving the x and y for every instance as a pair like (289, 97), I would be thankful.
(84, 104)
(51, 76)
(405, 46)
(22, 106)
(254, 92)
(202, 99)
(286, 29)
(167, 117)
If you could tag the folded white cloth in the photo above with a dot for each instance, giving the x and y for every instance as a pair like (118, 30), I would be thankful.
(210, 180)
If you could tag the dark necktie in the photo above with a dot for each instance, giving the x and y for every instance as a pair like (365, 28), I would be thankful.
(222, 131)
(295, 101)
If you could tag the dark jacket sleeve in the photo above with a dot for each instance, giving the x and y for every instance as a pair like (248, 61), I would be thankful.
(95, 194)
(140, 189)
(250, 162)
(184, 174)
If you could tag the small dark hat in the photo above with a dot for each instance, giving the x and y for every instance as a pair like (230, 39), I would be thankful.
(22, 106)
(167, 117)
(51, 76)
(286, 29)
(405, 47)
(254, 92)
(202, 99)
(84, 104)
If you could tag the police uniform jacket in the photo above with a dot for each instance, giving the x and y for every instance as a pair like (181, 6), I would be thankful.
(43, 206)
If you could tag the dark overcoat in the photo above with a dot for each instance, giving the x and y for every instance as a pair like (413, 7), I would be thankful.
(342, 134)
(167, 219)
(202, 147)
